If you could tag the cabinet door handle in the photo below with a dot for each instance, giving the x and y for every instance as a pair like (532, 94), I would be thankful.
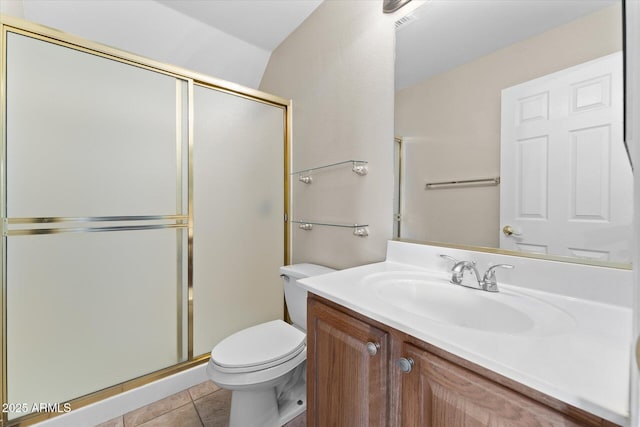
(405, 364)
(372, 348)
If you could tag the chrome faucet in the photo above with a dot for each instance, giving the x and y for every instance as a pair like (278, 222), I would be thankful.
(458, 270)
(488, 282)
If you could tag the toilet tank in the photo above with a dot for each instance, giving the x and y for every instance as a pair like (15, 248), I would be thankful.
(294, 294)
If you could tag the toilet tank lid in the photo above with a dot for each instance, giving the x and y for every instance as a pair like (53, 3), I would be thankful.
(299, 271)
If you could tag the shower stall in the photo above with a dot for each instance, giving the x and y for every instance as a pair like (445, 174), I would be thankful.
(143, 218)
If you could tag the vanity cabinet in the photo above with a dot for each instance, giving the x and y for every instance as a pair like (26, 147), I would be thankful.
(439, 393)
(347, 369)
(408, 382)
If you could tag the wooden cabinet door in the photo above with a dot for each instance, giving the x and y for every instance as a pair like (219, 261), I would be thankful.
(438, 393)
(347, 386)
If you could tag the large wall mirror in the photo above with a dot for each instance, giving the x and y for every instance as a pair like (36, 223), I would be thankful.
(509, 128)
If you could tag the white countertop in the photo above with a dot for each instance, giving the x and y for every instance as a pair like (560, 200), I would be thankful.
(585, 364)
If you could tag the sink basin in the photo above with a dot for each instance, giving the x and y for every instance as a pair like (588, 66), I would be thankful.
(437, 299)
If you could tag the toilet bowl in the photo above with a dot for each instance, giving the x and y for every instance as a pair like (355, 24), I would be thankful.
(264, 366)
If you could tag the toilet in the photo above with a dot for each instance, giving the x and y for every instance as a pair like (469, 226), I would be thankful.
(264, 365)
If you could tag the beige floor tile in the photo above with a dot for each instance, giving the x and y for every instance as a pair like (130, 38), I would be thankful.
(214, 408)
(149, 412)
(299, 421)
(203, 389)
(184, 416)
(116, 422)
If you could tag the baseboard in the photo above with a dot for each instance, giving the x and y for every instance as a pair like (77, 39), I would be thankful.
(112, 407)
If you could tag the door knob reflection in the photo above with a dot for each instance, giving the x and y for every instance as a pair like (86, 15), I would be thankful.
(509, 230)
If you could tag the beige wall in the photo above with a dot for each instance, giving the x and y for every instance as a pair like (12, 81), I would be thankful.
(452, 123)
(337, 67)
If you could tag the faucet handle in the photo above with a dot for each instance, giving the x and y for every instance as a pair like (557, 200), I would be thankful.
(507, 266)
(489, 279)
(491, 271)
(450, 258)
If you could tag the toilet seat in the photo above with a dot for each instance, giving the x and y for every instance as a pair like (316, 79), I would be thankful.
(258, 347)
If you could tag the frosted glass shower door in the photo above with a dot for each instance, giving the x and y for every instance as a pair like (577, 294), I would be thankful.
(87, 136)
(239, 175)
(88, 310)
(95, 238)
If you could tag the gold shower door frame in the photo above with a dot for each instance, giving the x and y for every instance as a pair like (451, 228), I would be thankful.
(49, 225)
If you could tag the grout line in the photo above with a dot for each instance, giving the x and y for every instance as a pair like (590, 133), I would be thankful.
(191, 399)
(193, 402)
(168, 412)
(151, 404)
(197, 412)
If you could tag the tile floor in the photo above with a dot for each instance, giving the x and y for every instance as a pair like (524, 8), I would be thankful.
(204, 405)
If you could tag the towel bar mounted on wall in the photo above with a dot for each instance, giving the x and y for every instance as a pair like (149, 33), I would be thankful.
(359, 230)
(462, 183)
(359, 167)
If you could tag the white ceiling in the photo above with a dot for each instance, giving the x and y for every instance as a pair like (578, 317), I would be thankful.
(442, 34)
(228, 39)
(263, 23)
(233, 39)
